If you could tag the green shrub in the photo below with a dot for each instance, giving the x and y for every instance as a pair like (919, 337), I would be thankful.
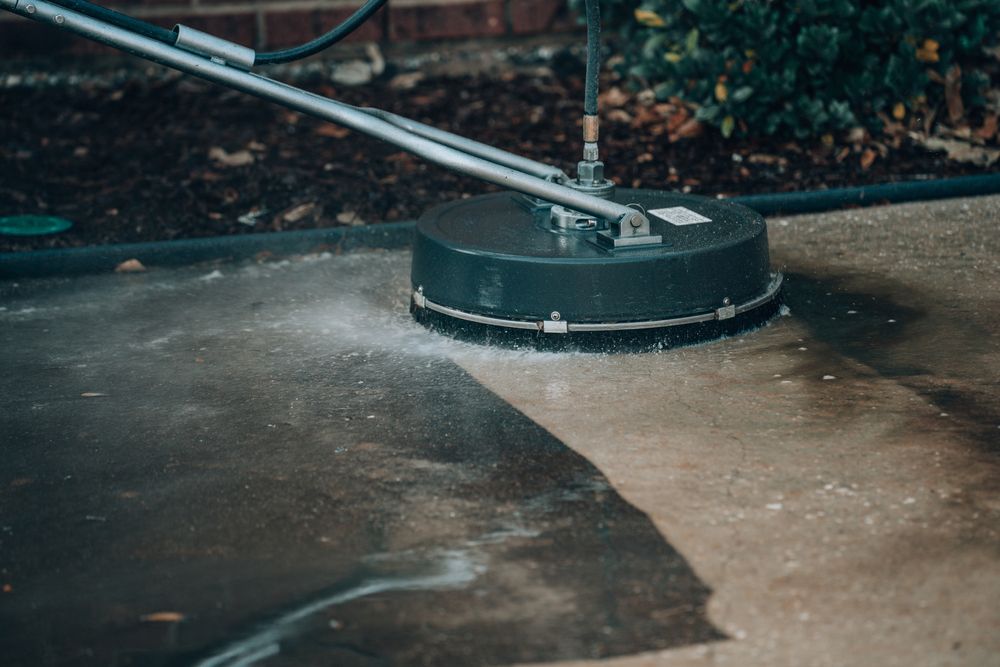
(809, 67)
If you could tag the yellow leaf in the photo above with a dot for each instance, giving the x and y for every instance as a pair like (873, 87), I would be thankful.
(649, 19)
(931, 45)
(672, 57)
(721, 92)
(927, 56)
(899, 111)
(728, 125)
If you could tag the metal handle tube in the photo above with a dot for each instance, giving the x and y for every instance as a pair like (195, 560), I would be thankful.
(321, 107)
(471, 146)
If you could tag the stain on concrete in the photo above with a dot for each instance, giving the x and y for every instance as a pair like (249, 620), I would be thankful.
(890, 329)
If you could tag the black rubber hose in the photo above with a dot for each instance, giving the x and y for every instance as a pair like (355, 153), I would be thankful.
(350, 24)
(124, 21)
(818, 201)
(593, 57)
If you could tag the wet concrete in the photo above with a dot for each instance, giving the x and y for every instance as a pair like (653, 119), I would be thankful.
(279, 455)
(230, 466)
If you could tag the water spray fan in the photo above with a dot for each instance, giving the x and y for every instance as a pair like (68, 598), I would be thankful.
(551, 259)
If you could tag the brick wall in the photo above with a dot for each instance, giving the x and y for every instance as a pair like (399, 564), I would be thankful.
(269, 24)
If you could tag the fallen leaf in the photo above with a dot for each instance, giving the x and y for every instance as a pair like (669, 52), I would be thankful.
(899, 111)
(238, 159)
(645, 116)
(7, 588)
(332, 131)
(614, 98)
(406, 80)
(250, 217)
(953, 94)
(130, 266)
(989, 128)
(689, 129)
(856, 135)
(162, 617)
(296, 213)
(767, 158)
(92, 394)
(960, 151)
(677, 118)
(349, 218)
(867, 158)
(619, 116)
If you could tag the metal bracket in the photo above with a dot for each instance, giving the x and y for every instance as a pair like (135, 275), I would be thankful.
(215, 48)
(725, 313)
(564, 218)
(549, 326)
(629, 231)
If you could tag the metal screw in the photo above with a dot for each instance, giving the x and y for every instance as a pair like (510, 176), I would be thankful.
(726, 301)
(555, 316)
(30, 9)
(59, 19)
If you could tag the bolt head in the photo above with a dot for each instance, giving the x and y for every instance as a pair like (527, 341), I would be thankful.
(30, 9)
(726, 301)
(589, 172)
(555, 316)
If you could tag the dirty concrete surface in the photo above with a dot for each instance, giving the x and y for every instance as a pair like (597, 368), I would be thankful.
(272, 464)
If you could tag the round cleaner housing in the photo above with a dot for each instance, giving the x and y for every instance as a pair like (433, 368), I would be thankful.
(506, 267)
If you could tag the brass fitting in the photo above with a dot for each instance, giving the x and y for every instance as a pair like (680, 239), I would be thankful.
(590, 129)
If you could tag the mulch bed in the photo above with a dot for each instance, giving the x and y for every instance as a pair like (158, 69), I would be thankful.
(173, 157)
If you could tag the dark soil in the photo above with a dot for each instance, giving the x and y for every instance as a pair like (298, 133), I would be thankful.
(134, 162)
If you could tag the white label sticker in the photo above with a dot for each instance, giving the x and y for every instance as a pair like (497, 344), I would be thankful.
(678, 215)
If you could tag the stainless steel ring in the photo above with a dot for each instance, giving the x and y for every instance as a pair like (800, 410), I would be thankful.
(727, 312)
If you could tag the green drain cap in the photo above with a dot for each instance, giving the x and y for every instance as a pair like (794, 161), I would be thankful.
(33, 225)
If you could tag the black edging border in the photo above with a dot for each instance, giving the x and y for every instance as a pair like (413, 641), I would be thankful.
(392, 235)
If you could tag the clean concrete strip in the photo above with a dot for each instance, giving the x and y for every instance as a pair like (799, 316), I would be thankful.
(832, 477)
